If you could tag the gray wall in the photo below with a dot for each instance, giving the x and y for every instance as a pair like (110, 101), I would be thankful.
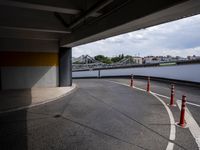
(28, 45)
(39, 72)
(189, 72)
(29, 77)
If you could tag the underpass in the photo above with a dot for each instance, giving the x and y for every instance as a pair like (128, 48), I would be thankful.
(36, 43)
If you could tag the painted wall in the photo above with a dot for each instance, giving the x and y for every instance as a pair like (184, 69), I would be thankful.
(190, 72)
(29, 77)
(21, 70)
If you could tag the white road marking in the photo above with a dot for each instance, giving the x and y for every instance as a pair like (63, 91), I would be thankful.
(192, 124)
(172, 135)
(118, 83)
(164, 96)
(189, 103)
(170, 145)
(193, 104)
(161, 95)
(139, 89)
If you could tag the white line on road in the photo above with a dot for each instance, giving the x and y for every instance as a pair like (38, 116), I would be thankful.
(193, 104)
(192, 124)
(161, 95)
(139, 89)
(190, 103)
(170, 145)
(172, 135)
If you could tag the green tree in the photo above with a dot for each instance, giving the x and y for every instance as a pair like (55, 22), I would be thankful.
(117, 58)
(99, 57)
(122, 56)
(103, 59)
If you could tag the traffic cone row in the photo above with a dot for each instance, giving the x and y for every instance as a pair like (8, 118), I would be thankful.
(182, 122)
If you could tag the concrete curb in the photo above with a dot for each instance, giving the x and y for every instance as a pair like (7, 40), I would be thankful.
(74, 87)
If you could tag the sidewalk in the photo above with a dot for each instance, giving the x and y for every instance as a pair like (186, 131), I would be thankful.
(12, 100)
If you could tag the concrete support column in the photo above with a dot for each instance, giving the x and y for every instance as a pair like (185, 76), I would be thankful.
(65, 66)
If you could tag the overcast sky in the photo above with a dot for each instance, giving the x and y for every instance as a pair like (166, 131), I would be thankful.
(177, 38)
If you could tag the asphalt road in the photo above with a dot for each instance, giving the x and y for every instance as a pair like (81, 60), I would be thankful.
(98, 115)
(192, 93)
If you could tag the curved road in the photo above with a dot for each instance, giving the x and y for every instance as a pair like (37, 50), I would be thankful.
(99, 115)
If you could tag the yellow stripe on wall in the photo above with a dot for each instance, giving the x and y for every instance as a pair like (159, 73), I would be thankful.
(28, 59)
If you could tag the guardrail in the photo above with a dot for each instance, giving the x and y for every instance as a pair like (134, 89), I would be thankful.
(184, 72)
(110, 66)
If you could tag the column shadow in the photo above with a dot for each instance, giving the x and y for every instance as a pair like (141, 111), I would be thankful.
(13, 131)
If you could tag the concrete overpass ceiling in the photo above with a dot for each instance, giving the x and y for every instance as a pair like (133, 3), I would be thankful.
(46, 20)
(75, 22)
(27, 34)
(44, 16)
(30, 20)
(131, 16)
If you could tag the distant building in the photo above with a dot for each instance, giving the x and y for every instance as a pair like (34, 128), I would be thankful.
(194, 57)
(161, 59)
(137, 60)
(178, 58)
(148, 60)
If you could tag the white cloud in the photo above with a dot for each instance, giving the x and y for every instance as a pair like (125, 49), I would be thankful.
(182, 52)
(180, 37)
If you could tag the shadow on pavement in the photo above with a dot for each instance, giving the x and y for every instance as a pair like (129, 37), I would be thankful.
(13, 126)
(10, 99)
(13, 131)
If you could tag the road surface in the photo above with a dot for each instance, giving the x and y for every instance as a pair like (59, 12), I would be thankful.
(100, 115)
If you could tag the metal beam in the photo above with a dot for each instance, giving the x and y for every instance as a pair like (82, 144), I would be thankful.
(19, 34)
(44, 7)
(39, 7)
(35, 29)
(25, 20)
(98, 6)
(133, 16)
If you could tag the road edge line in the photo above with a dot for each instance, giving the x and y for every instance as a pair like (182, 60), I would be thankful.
(191, 124)
(172, 136)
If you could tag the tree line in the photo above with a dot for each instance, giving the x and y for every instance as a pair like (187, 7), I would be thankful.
(109, 60)
(106, 60)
